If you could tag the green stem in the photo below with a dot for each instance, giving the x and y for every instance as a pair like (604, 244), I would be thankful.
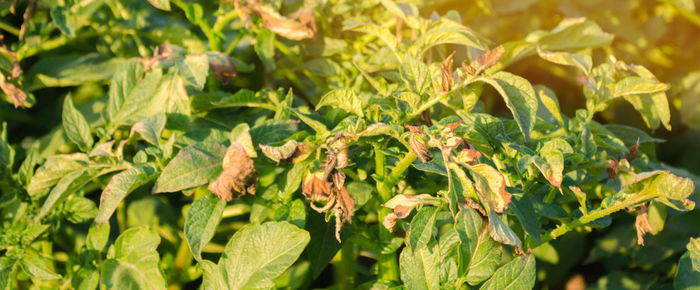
(9, 28)
(387, 263)
(121, 217)
(221, 21)
(346, 268)
(567, 227)
(396, 173)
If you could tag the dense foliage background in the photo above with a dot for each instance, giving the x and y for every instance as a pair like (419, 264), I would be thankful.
(342, 144)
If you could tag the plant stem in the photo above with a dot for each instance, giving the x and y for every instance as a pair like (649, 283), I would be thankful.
(565, 228)
(346, 268)
(387, 264)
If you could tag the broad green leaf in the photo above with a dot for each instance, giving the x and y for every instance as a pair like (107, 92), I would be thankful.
(150, 128)
(519, 96)
(135, 263)
(522, 206)
(193, 166)
(422, 228)
(73, 69)
(635, 85)
(516, 274)
(581, 61)
(214, 276)
(382, 33)
(79, 209)
(119, 187)
(201, 221)
(7, 266)
(194, 69)
(75, 126)
(161, 4)
(445, 31)
(323, 245)
(256, 254)
(500, 231)
(551, 160)
(686, 276)
(653, 108)
(344, 99)
(479, 254)
(62, 18)
(171, 98)
(415, 73)
(575, 33)
(278, 153)
(53, 170)
(265, 47)
(130, 93)
(36, 268)
(420, 269)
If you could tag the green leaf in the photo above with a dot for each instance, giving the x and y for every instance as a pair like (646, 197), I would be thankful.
(548, 107)
(150, 128)
(75, 126)
(522, 206)
(265, 47)
(61, 17)
(344, 99)
(79, 209)
(72, 69)
(171, 98)
(35, 268)
(86, 278)
(519, 97)
(135, 262)
(686, 277)
(193, 166)
(382, 33)
(635, 85)
(320, 128)
(130, 93)
(67, 185)
(97, 237)
(161, 4)
(581, 61)
(694, 250)
(323, 245)
(415, 73)
(256, 254)
(516, 274)
(420, 269)
(500, 232)
(653, 108)
(52, 171)
(551, 160)
(575, 33)
(445, 31)
(479, 254)
(7, 266)
(201, 221)
(194, 69)
(119, 187)
(422, 228)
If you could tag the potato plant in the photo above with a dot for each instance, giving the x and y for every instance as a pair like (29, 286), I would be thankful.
(344, 144)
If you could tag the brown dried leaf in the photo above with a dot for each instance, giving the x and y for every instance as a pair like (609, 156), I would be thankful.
(222, 67)
(468, 69)
(413, 129)
(633, 152)
(345, 203)
(418, 147)
(28, 13)
(585, 81)
(285, 27)
(399, 29)
(239, 176)
(17, 96)
(315, 188)
(490, 58)
(613, 170)
(446, 73)
(338, 179)
(389, 221)
(468, 156)
(642, 224)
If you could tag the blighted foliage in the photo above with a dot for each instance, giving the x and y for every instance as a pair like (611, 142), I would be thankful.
(244, 144)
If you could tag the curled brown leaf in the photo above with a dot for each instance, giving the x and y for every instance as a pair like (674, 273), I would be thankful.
(286, 27)
(239, 176)
(642, 225)
(446, 73)
(613, 170)
(222, 67)
(633, 152)
(489, 59)
(417, 145)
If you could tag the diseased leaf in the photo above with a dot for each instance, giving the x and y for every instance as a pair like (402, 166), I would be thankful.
(238, 176)
(516, 274)
(420, 269)
(150, 128)
(421, 231)
(344, 99)
(581, 61)
(635, 85)
(283, 152)
(193, 166)
(491, 186)
(75, 126)
(201, 221)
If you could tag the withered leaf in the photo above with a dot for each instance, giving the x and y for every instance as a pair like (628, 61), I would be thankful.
(413, 129)
(613, 170)
(283, 26)
(418, 147)
(642, 224)
(345, 203)
(468, 156)
(17, 96)
(389, 221)
(222, 66)
(280, 153)
(490, 58)
(633, 152)
(315, 187)
(491, 186)
(239, 176)
(446, 73)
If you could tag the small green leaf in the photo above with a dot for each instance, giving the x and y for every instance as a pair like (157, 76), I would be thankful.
(256, 254)
(575, 33)
(75, 125)
(161, 4)
(500, 232)
(79, 209)
(519, 96)
(686, 276)
(150, 128)
(694, 250)
(580, 61)
(201, 221)
(422, 228)
(653, 108)
(415, 73)
(97, 237)
(522, 206)
(193, 166)
(635, 85)
(119, 187)
(344, 99)
(7, 266)
(62, 18)
(35, 268)
(194, 69)
(52, 171)
(516, 274)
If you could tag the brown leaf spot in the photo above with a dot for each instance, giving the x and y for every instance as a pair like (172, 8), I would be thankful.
(17, 96)
(418, 147)
(613, 170)
(468, 156)
(239, 176)
(413, 129)
(222, 67)
(446, 72)
(633, 152)
(490, 58)
(389, 221)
